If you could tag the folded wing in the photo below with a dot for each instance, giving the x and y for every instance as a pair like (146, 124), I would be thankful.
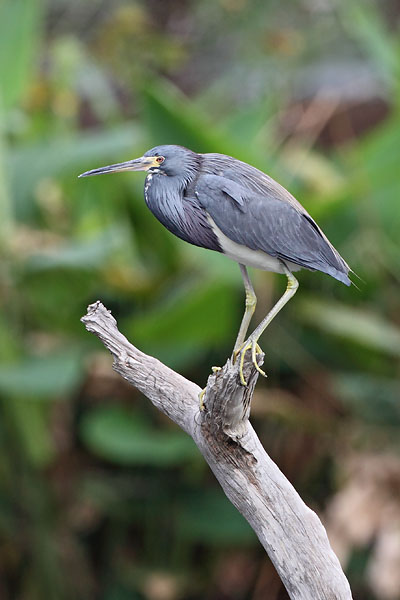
(263, 221)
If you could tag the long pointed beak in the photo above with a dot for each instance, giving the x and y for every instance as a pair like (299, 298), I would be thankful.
(138, 164)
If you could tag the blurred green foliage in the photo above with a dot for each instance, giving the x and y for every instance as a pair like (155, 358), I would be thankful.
(93, 483)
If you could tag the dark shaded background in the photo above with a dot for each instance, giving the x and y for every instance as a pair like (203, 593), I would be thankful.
(100, 496)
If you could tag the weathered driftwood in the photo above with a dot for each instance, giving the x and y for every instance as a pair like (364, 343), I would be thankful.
(290, 532)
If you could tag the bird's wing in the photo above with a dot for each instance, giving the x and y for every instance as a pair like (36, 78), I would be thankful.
(264, 222)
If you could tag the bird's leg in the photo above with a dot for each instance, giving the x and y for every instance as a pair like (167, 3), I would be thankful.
(251, 301)
(252, 341)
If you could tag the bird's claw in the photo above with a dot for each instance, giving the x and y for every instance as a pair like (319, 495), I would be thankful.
(203, 392)
(201, 399)
(255, 349)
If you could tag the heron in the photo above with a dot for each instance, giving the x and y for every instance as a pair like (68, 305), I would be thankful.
(218, 202)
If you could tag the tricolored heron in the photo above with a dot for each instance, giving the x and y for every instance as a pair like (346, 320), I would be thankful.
(218, 202)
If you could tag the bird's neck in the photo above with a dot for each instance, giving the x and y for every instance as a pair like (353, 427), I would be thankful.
(164, 193)
(164, 197)
(164, 188)
(173, 202)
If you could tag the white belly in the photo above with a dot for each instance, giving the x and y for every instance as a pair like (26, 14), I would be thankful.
(246, 256)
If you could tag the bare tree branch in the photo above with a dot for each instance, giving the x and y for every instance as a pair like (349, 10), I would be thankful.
(290, 532)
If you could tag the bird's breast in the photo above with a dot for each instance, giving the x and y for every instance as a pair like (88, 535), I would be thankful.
(179, 212)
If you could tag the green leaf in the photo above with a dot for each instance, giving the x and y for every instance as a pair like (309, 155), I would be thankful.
(196, 312)
(210, 518)
(373, 399)
(43, 377)
(69, 157)
(213, 266)
(31, 420)
(20, 22)
(253, 122)
(365, 22)
(80, 254)
(376, 156)
(123, 437)
(171, 119)
(360, 326)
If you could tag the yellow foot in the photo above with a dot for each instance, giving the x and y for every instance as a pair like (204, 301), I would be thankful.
(202, 393)
(201, 399)
(255, 349)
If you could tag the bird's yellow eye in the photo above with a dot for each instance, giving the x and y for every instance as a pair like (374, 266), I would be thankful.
(160, 159)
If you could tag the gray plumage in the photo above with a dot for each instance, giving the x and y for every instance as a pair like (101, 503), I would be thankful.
(247, 205)
(223, 204)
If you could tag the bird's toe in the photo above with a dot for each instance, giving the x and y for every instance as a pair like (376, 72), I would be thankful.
(255, 349)
(201, 399)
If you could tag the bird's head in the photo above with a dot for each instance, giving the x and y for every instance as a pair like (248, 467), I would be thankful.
(173, 161)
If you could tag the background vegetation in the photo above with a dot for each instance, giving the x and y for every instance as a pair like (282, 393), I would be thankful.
(100, 496)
